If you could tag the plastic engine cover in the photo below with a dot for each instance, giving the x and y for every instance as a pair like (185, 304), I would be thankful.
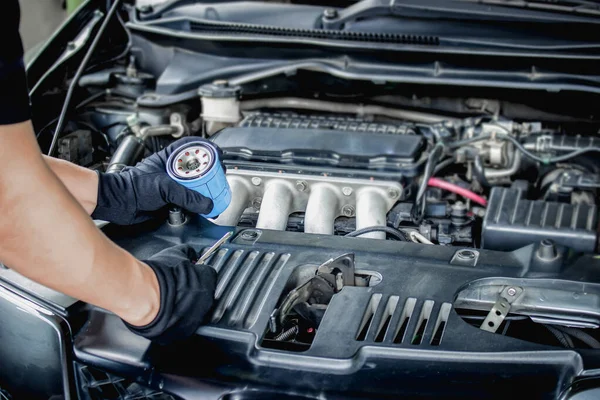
(332, 148)
(512, 222)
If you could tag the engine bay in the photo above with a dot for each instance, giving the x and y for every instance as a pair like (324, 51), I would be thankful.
(397, 215)
(328, 161)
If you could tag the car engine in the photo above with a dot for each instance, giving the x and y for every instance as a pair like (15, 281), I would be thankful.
(330, 167)
(411, 214)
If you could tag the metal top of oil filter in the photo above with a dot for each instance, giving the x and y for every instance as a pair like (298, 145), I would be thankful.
(193, 161)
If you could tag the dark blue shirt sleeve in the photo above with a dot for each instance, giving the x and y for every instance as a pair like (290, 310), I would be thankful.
(14, 95)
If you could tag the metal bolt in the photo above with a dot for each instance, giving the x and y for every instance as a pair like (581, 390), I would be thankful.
(393, 192)
(348, 211)
(221, 83)
(249, 234)
(146, 9)
(466, 254)
(330, 13)
(256, 181)
(511, 291)
(256, 203)
(176, 217)
(347, 191)
(71, 46)
(301, 185)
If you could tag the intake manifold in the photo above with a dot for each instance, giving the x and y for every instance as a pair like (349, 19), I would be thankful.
(321, 198)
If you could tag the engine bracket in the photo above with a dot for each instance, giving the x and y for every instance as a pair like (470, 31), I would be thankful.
(501, 308)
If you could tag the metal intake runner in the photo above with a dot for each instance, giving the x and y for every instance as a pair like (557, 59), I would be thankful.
(322, 199)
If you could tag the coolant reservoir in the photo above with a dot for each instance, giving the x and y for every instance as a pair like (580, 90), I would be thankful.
(220, 105)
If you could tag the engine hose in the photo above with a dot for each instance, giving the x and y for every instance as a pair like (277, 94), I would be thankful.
(418, 209)
(581, 336)
(391, 231)
(564, 340)
(435, 182)
(508, 172)
(128, 152)
(479, 171)
(442, 165)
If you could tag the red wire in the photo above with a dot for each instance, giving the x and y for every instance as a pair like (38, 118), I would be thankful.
(451, 187)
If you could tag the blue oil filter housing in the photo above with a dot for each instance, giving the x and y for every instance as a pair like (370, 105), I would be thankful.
(196, 165)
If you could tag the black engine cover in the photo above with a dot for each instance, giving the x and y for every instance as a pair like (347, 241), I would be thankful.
(321, 147)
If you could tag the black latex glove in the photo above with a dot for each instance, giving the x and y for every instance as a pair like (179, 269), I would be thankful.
(186, 295)
(132, 195)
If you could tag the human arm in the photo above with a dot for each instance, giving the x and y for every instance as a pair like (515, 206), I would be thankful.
(132, 195)
(81, 182)
(47, 236)
(44, 233)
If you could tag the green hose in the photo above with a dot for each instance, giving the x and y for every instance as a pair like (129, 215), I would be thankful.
(73, 4)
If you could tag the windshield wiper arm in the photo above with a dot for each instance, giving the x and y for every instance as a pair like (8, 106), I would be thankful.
(488, 10)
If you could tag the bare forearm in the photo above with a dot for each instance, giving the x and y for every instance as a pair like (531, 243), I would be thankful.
(46, 235)
(81, 182)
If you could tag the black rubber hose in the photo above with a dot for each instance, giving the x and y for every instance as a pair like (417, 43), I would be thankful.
(581, 336)
(128, 152)
(479, 171)
(443, 164)
(418, 208)
(564, 340)
(390, 231)
(78, 74)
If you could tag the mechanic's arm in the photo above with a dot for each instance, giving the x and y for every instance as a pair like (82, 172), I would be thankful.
(81, 182)
(47, 236)
(132, 195)
(46, 233)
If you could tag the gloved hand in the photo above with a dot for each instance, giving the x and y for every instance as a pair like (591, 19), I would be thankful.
(186, 295)
(130, 196)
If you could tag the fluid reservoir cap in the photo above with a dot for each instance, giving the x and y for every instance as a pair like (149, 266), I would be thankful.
(219, 89)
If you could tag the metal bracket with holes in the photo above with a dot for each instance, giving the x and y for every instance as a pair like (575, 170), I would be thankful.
(501, 308)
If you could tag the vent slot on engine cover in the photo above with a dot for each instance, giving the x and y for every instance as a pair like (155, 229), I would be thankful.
(367, 319)
(377, 321)
(440, 324)
(388, 313)
(407, 311)
(424, 317)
